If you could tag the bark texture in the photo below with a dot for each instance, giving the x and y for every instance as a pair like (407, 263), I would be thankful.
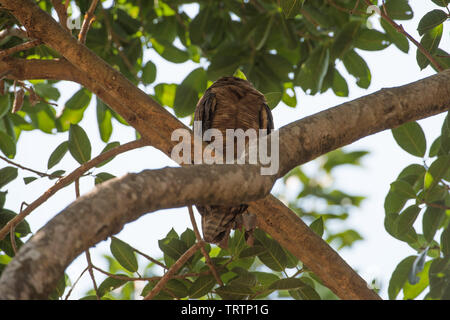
(92, 218)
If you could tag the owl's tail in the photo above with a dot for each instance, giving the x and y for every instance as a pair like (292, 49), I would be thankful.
(217, 221)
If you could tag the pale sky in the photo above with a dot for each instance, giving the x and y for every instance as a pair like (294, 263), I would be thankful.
(376, 256)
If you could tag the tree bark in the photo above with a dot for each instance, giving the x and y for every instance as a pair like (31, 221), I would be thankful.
(33, 273)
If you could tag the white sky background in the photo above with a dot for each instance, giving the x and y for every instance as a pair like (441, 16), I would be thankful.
(376, 256)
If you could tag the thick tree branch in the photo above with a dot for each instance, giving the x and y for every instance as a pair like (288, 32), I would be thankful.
(153, 122)
(104, 211)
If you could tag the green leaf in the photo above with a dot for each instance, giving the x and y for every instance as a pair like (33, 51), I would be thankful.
(79, 144)
(80, 100)
(185, 101)
(124, 254)
(445, 131)
(273, 99)
(317, 226)
(6, 215)
(371, 40)
(177, 288)
(417, 267)
(412, 291)
(275, 257)
(239, 74)
(165, 94)
(437, 170)
(406, 219)
(108, 147)
(430, 41)
(252, 251)
(28, 180)
(287, 284)
(344, 39)
(445, 242)
(68, 117)
(172, 247)
(431, 20)
(188, 237)
(60, 288)
(313, 71)
(432, 219)
(400, 276)
(441, 3)
(149, 73)
(169, 52)
(244, 278)
(399, 9)
(339, 86)
(56, 174)
(289, 99)
(225, 63)
(358, 68)
(398, 39)
(109, 284)
(5, 104)
(410, 137)
(7, 174)
(104, 116)
(7, 145)
(102, 177)
(234, 292)
(57, 154)
(3, 198)
(403, 189)
(435, 147)
(201, 286)
(291, 8)
(439, 275)
(47, 91)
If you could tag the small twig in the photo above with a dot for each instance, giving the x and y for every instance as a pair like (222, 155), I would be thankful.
(61, 11)
(31, 91)
(65, 181)
(202, 248)
(355, 7)
(155, 278)
(88, 20)
(16, 32)
(19, 47)
(401, 30)
(75, 283)
(90, 268)
(437, 205)
(88, 255)
(13, 240)
(150, 258)
(173, 269)
(39, 173)
(297, 273)
(22, 205)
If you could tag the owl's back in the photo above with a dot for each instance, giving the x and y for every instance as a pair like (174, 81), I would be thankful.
(229, 103)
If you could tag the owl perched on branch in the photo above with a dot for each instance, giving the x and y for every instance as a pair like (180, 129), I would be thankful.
(230, 103)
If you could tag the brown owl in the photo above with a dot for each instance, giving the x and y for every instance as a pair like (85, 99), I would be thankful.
(229, 103)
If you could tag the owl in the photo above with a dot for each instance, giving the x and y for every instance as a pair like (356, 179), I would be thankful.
(230, 103)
